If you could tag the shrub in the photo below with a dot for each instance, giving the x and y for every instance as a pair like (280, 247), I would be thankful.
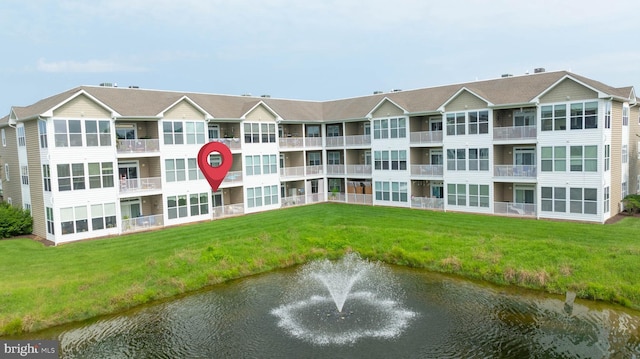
(14, 221)
(632, 203)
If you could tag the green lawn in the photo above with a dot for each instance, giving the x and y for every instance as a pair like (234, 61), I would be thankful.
(44, 286)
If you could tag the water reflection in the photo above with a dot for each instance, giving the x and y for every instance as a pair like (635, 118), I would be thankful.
(455, 319)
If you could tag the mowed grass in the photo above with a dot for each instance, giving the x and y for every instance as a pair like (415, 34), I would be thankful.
(46, 286)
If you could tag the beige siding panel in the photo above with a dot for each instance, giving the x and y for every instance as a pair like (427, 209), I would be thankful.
(465, 101)
(9, 155)
(260, 114)
(35, 179)
(183, 110)
(387, 109)
(568, 90)
(616, 157)
(81, 106)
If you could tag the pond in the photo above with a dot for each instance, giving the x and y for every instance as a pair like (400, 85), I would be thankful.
(441, 317)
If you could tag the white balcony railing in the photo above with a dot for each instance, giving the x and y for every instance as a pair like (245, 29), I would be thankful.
(138, 185)
(425, 137)
(233, 177)
(337, 197)
(359, 198)
(142, 223)
(312, 141)
(314, 170)
(228, 210)
(526, 171)
(292, 171)
(426, 170)
(427, 203)
(138, 146)
(291, 142)
(293, 201)
(359, 169)
(335, 141)
(335, 169)
(357, 140)
(514, 132)
(515, 209)
(233, 143)
(314, 198)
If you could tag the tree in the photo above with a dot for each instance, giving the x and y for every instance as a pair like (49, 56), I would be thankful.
(14, 221)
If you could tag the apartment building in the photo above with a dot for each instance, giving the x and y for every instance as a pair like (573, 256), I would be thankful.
(98, 161)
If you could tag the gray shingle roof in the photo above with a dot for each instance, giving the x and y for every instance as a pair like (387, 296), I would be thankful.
(142, 103)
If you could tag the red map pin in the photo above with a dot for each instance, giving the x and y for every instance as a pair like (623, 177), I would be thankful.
(215, 175)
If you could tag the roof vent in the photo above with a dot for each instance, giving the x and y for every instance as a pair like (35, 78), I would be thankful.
(396, 90)
(377, 92)
(106, 84)
(539, 70)
(246, 95)
(265, 96)
(507, 75)
(134, 87)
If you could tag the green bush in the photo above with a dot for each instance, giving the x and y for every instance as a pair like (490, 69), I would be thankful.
(632, 203)
(14, 221)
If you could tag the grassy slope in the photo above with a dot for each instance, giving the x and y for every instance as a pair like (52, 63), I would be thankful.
(44, 286)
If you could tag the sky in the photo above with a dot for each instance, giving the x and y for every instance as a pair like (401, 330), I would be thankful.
(310, 50)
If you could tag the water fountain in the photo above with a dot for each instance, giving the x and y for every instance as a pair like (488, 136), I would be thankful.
(341, 302)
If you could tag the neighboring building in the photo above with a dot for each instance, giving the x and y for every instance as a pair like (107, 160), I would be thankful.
(99, 161)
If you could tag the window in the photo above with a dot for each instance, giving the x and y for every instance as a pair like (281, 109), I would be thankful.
(333, 157)
(214, 131)
(382, 191)
(77, 173)
(6, 171)
(607, 114)
(456, 159)
(314, 159)
(177, 206)
(67, 133)
(478, 122)
(479, 195)
(254, 197)
(103, 216)
(584, 115)
(21, 139)
(314, 186)
(333, 130)
(50, 222)
(398, 127)
(381, 160)
(100, 174)
(98, 133)
(313, 131)
(606, 200)
(399, 191)
(175, 170)
(4, 137)
(553, 199)
(625, 115)
(625, 153)
(399, 160)
(194, 132)
(173, 132)
(553, 117)
(335, 184)
(24, 175)
(607, 157)
(455, 124)
(64, 177)
(380, 129)
(46, 177)
(584, 158)
(478, 159)
(199, 203)
(127, 131)
(268, 132)
(624, 190)
(66, 220)
(74, 219)
(456, 194)
(269, 164)
(270, 195)
(251, 132)
(42, 134)
(252, 165)
(194, 172)
(583, 200)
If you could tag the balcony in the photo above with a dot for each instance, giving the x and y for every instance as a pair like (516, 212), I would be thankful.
(427, 203)
(426, 170)
(425, 137)
(291, 142)
(293, 201)
(314, 198)
(138, 146)
(514, 209)
(292, 171)
(359, 198)
(142, 223)
(359, 170)
(335, 141)
(233, 143)
(314, 170)
(514, 133)
(335, 169)
(232, 177)
(140, 185)
(313, 142)
(511, 171)
(357, 140)
(228, 210)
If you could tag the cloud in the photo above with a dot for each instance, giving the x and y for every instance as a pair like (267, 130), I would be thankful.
(89, 66)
